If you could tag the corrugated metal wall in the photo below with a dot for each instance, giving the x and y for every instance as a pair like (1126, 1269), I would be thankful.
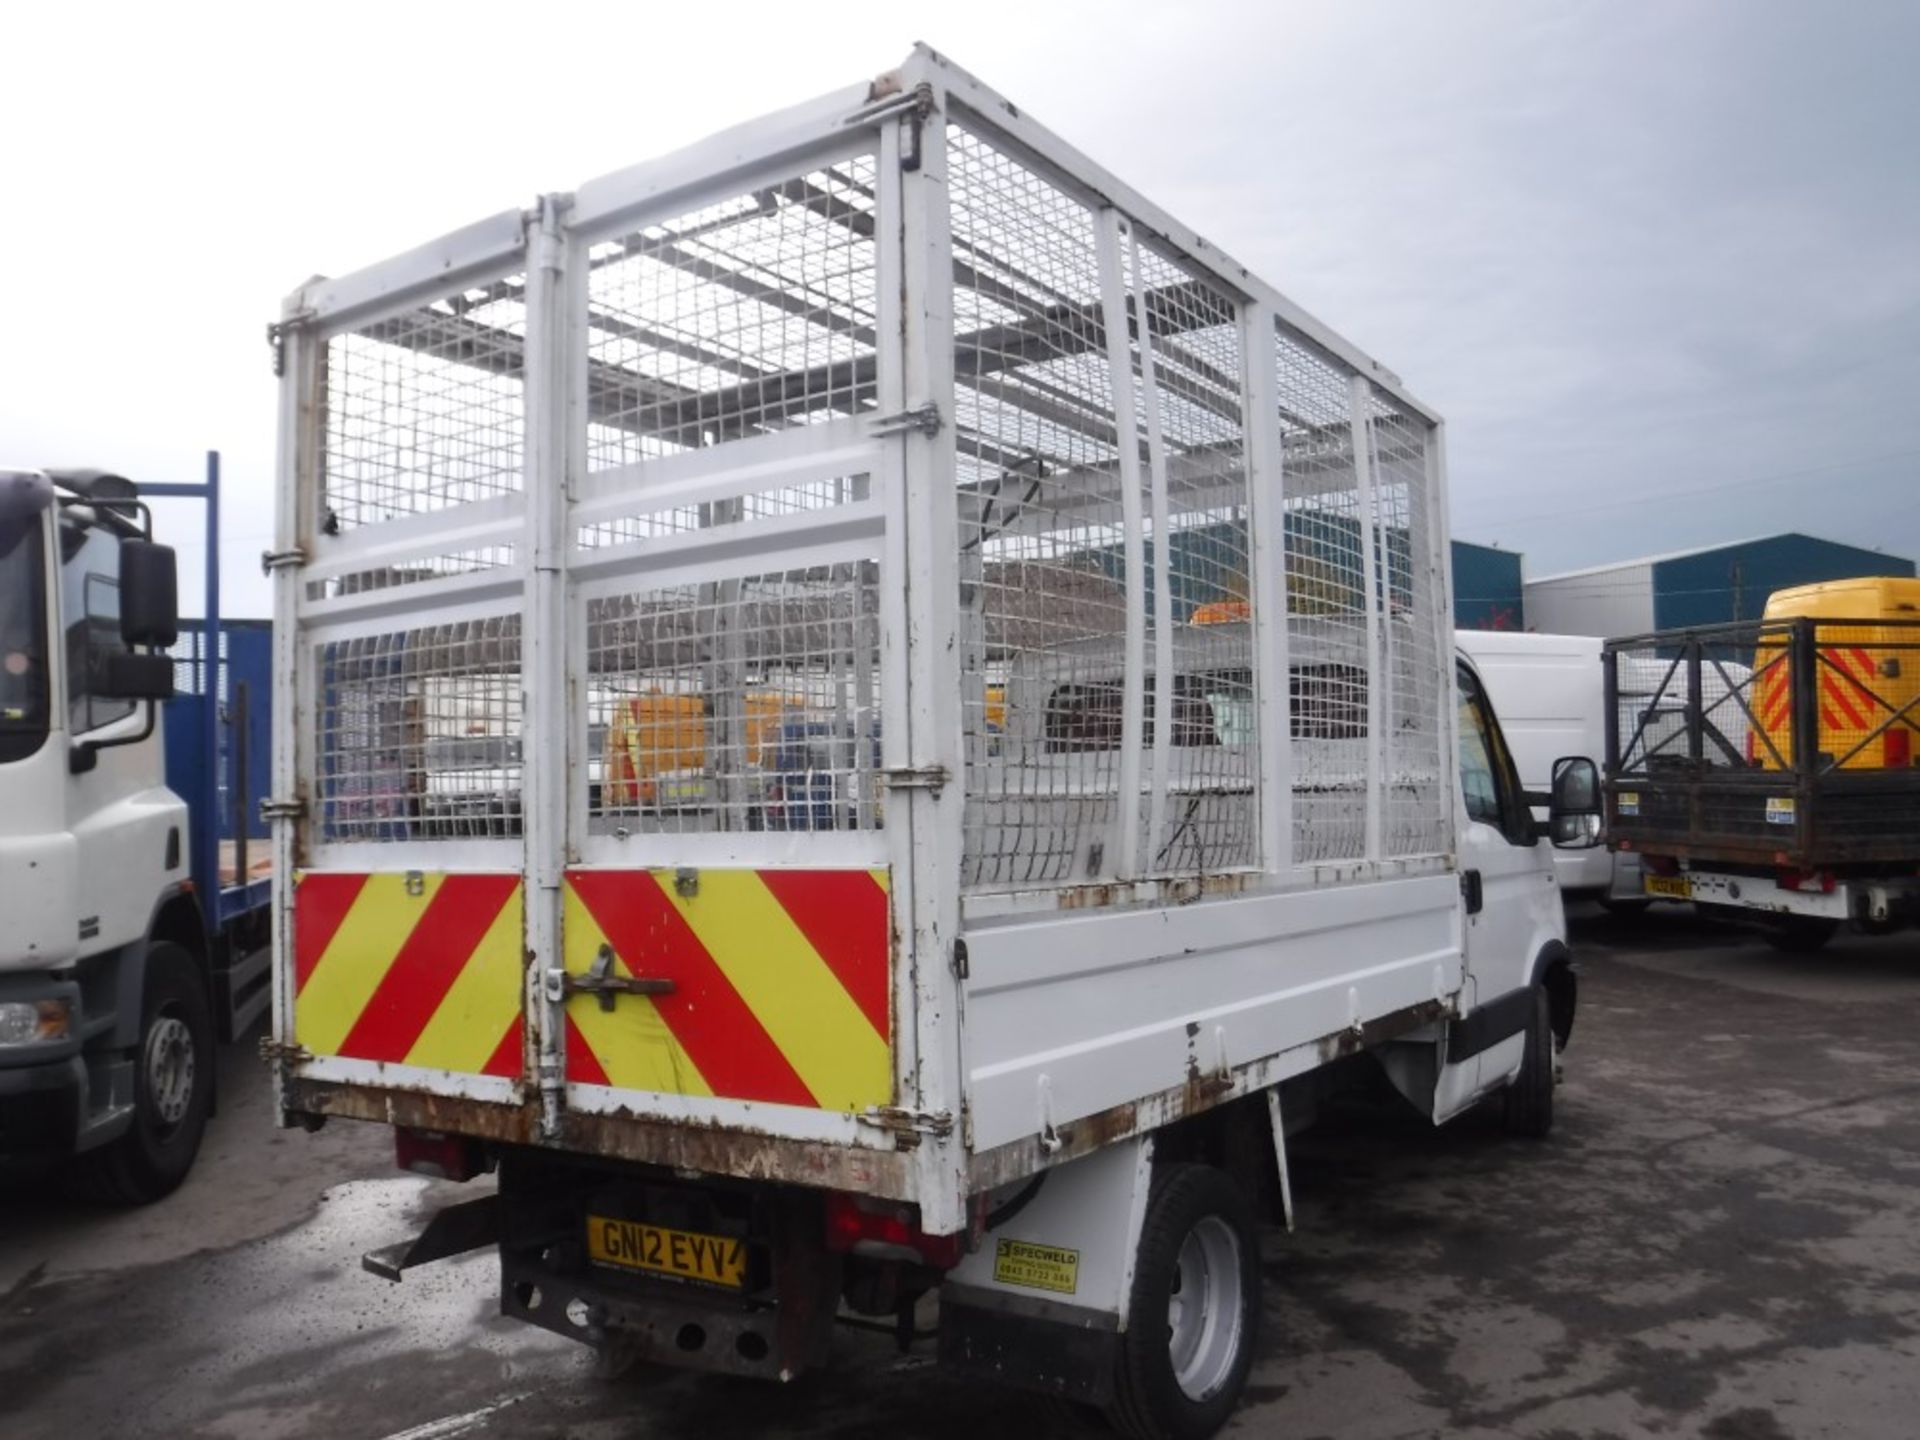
(1734, 581)
(1487, 593)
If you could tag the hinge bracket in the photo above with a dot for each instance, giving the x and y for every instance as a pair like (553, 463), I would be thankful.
(272, 809)
(925, 419)
(277, 332)
(907, 1126)
(293, 1053)
(917, 777)
(272, 560)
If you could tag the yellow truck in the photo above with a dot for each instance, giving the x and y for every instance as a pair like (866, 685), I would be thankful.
(1767, 768)
(1866, 682)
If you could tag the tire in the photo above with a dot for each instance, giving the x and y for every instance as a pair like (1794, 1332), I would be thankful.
(1194, 1314)
(172, 1087)
(1528, 1100)
(1802, 934)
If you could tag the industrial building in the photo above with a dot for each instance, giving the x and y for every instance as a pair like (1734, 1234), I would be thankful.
(1706, 586)
(1487, 589)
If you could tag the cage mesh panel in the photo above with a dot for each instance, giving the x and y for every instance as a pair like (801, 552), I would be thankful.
(741, 318)
(418, 733)
(1043, 595)
(1413, 819)
(423, 411)
(413, 572)
(1326, 604)
(1210, 821)
(749, 703)
(766, 504)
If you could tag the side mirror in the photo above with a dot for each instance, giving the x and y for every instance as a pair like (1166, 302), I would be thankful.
(135, 675)
(149, 599)
(1574, 813)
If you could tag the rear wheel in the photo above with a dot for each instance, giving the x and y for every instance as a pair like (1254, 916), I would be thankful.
(1195, 1309)
(172, 1087)
(1802, 934)
(1528, 1100)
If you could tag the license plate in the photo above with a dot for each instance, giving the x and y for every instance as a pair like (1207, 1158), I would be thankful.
(1674, 887)
(632, 1245)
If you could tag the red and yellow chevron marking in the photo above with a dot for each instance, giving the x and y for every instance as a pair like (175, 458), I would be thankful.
(432, 979)
(782, 985)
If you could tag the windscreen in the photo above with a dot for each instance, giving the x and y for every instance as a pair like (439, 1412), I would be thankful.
(23, 648)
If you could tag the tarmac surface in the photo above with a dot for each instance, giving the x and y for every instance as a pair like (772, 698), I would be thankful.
(1720, 1239)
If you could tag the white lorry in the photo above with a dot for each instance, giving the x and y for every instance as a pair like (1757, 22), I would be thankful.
(125, 948)
(1550, 692)
(1068, 903)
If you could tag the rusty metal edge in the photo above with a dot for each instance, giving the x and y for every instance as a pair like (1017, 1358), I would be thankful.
(1019, 1159)
(741, 1154)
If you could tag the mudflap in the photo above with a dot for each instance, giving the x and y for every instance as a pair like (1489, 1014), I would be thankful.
(1041, 1305)
(776, 1324)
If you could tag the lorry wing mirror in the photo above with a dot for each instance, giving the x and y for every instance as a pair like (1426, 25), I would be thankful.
(149, 597)
(1574, 813)
(136, 675)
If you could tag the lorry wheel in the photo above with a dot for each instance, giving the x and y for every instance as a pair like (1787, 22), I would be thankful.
(1529, 1097)
(1802, 934)
(172, 1086)
(1195, 1309)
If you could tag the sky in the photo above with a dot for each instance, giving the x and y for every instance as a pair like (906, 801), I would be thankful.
(1657, 264)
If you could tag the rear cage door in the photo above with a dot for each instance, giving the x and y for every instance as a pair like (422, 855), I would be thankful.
(592, 529)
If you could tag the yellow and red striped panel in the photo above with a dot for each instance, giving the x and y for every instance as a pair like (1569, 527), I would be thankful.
(782, 979)
(782, 985)
(430, 979)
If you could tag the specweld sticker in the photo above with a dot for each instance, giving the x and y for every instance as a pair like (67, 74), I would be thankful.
(1628, 802)
(1780, 810)
(1037, 1267)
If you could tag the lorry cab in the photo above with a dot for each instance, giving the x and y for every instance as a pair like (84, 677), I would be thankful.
(1516, 944)
(104, 1013)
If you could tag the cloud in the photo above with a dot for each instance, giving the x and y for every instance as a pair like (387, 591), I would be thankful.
(1629, 251)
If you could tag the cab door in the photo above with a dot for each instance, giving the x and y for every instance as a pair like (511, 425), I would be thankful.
(1512, 903)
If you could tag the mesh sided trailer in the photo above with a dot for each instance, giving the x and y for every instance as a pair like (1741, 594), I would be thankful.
(1777, 743)
(1064, 615)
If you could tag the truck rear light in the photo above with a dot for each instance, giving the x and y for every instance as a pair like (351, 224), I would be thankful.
(436, 1153)
(1660, 864)
(1817, 882)
(1899, 748)
(1753, 747)
(885, 1230)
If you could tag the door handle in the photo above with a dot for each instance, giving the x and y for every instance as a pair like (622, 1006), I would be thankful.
(601, 983)
(1472, 891)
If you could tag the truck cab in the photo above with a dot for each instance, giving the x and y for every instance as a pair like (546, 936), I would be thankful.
(105, 1018)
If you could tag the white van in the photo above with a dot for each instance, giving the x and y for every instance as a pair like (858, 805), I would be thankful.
(1550, 695)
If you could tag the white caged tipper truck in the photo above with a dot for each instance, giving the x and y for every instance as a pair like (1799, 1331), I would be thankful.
(859, 712)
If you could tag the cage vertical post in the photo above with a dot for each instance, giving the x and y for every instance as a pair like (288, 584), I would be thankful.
(543, 644)
(1371, 607)
(1112, 234)
(933, 815)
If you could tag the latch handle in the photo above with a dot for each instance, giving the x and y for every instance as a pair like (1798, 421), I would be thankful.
(601, 983)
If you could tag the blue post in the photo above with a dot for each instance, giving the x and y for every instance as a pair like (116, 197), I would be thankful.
(204, 801)
(210, 821)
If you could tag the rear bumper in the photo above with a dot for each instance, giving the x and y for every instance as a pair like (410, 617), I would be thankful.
(746, 1154)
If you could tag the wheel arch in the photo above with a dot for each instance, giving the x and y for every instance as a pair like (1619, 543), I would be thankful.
(1553, 970)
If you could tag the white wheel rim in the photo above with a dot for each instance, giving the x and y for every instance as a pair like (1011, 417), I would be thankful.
(1205, 1309)
(170, 1069)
